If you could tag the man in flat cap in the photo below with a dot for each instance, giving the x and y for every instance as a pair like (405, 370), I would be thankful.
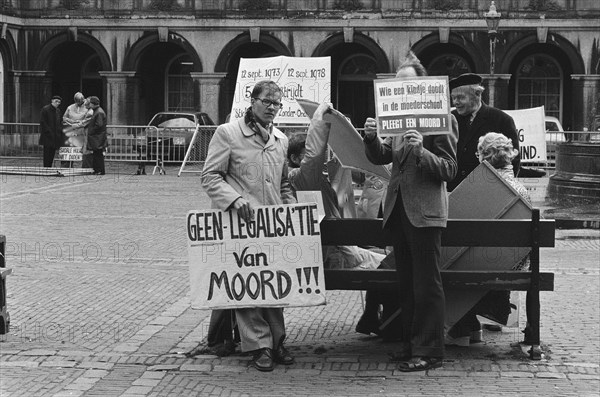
(476, 119)
(97, 140)
(51, 135)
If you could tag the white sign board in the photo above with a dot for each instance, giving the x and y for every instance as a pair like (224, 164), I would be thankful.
(306, 78)
(273, 261)
(412, 103)
(532, 133)
(70, 153)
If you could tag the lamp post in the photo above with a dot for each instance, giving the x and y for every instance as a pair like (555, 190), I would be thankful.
(492, 18)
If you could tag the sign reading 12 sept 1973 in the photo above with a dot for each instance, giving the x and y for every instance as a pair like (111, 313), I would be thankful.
(275, 260)
(413, 103)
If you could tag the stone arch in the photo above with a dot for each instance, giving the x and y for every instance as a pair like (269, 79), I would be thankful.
(229, 60)
(134, 54)
(45, 56)
(555, 44)
(8, 57)
(266, 40)
(352, 93)
(563, 53)
(429, 48)
(369, 45)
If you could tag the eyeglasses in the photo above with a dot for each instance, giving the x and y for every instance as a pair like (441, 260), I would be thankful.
(268, 102)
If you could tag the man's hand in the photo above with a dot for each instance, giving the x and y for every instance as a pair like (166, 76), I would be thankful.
(244, 209)
(370, 129)
(321, 110)
(415, 139)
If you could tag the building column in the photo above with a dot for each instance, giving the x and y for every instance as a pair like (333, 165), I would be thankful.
(120, 101)
(33, 90)
(496, 86)
(208, 87)
(586, 94)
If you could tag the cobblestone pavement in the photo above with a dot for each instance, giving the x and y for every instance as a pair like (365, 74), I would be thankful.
(99, 305)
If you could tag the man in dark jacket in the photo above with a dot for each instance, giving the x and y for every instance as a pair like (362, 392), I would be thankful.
(51, 135)
(475, 119)
(97, 140)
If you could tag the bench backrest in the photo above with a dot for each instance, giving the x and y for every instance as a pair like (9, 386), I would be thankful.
(458, 233)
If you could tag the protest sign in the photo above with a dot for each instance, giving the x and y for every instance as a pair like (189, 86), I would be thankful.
(273, 261)
(532, 133)
(298, 77)
(412, 103)
(346, 142)
(73, 144)
(66, 153)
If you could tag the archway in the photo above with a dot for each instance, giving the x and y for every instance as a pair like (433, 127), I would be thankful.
(354, 66)
(552, 62)
(229, 62)
(164, 80)
(451, 59)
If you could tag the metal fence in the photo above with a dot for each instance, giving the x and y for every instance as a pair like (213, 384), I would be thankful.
(151, 145)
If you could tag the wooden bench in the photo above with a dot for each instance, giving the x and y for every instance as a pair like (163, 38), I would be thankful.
(533, 233)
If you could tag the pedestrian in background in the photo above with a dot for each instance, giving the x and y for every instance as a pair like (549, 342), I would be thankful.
(253, 140)
(76, 117)
(51, 134)
(416, 211)
(97, 139)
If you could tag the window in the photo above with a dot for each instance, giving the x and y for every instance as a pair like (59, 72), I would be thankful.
(180, 85)
(539, 83)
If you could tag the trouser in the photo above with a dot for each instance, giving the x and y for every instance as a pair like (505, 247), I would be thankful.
(98, 160)
(260, 327)
(417, 251)
(87, 160)
(221, 329)
(49, 153)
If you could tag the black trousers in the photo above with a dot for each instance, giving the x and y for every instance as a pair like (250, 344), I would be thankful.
(49, 153)
(98, 160)
(417, 251)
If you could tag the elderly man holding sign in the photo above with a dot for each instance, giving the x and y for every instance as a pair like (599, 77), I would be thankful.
(252, 145)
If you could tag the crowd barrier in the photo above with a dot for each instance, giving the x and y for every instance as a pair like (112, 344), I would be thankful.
(189, 147)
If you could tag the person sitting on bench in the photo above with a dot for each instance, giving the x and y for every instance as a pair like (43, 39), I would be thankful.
(499, 152)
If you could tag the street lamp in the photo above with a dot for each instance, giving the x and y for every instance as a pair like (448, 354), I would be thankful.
(492, 18)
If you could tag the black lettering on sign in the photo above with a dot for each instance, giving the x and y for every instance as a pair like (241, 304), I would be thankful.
(264, 284)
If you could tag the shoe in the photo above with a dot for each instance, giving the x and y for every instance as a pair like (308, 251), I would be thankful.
(420, 364)
(463, 341)
(283, 356)
(367, 327)
(263, 360)
(492, 327)
(476, 337)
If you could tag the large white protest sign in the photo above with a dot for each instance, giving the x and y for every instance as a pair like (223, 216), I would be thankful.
(273, 261)
(412, 103)
(532, 133)
(298, 77)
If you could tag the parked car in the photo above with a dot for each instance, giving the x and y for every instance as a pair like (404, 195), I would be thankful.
(554, 130)
(173, 134)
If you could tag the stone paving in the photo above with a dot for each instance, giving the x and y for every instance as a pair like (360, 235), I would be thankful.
(99, 304)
